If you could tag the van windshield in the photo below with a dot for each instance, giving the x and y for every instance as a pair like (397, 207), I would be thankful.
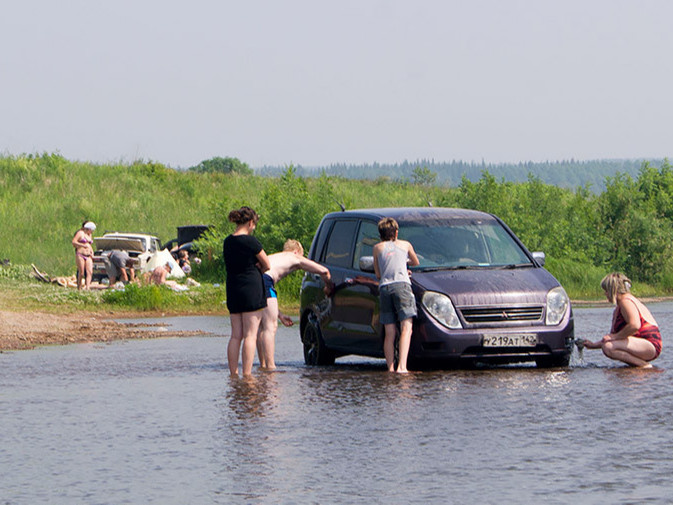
(463, 244)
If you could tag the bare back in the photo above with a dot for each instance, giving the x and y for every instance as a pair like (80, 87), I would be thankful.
(286, 262)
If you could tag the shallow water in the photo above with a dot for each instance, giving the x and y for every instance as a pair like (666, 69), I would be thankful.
(160, 422)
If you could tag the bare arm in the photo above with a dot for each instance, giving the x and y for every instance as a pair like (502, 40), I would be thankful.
(263, 261)
(75, 240)
(413, 259)
(312, 267)
(631, 316)
(375, 252)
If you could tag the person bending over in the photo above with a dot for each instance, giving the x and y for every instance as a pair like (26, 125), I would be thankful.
(282, 264)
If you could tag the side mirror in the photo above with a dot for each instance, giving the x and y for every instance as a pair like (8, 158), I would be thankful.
(367, 263)
(539, 258)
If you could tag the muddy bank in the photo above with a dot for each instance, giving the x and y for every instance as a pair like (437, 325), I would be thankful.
(26, 330)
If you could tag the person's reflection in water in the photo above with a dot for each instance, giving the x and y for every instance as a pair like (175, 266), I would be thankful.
(253, 396)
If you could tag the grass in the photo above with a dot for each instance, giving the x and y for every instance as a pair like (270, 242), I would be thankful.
(21, 292)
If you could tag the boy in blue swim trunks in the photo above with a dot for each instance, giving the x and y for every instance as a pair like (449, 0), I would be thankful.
(282, 264)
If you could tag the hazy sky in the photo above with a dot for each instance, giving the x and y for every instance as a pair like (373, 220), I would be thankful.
(312, 82)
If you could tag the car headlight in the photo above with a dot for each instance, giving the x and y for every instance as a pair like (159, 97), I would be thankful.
(440, 307)
(557, 305)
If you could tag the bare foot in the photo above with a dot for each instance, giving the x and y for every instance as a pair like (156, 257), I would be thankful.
(403, 371)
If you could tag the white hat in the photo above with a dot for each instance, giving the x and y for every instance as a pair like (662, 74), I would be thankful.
(89, 225)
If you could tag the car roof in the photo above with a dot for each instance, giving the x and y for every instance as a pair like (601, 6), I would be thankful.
(412, 213)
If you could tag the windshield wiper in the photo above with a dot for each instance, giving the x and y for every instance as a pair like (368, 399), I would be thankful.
(445, 267)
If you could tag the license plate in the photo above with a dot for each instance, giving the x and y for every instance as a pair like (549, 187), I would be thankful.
(511, 340)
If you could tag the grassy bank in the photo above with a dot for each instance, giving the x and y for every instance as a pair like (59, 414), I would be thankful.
(19, 291)
(44, 199)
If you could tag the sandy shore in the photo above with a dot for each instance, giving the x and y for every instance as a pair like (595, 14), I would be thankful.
(26, 330)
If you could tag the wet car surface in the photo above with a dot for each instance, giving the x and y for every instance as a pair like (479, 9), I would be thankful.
(481, 295)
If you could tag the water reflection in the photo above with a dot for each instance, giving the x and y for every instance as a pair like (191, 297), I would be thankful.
(254, 396)
(161, 421)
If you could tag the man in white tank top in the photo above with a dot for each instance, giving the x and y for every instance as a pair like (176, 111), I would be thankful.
(397, 302)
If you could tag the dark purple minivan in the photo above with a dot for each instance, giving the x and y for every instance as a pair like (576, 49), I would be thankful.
(482, 297)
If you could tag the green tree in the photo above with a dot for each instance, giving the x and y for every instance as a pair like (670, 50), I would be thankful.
(423, 176)
(223, 165)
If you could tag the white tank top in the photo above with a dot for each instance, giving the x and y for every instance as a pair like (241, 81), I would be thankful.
(393, 264)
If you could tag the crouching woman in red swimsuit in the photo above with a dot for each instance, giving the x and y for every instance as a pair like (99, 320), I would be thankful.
(634, 337)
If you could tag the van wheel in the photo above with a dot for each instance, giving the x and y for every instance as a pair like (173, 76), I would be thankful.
(315, 351)
(553, 361)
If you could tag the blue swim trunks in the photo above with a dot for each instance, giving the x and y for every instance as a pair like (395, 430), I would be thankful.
(268, 287)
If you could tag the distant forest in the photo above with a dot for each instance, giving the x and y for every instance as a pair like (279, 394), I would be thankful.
(565, 174)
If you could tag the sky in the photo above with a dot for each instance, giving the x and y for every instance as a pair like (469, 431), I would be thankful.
(312, 83)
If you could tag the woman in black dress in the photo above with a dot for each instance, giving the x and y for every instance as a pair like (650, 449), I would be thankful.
(245, 260)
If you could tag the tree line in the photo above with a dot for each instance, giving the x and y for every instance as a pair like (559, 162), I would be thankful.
(572, 173)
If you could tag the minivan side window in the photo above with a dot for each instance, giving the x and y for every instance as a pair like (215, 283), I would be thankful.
(339, 251)
(315, 253)
(368, 236)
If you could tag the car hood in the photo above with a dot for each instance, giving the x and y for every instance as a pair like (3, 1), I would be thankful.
(477, 287)
(120, 243)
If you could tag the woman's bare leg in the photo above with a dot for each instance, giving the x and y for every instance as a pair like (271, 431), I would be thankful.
(234, 346)
(81, 270)
(88, 266)
(405, 341)
(389, 346)
(266, 340)
(633, 351)
(251, 322)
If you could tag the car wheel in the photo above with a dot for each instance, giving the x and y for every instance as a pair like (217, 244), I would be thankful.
(553, 361)
(315, 351)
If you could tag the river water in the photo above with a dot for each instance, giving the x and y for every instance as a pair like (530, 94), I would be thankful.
(161, 422)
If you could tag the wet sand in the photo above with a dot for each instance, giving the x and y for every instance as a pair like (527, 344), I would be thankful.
(26, 330)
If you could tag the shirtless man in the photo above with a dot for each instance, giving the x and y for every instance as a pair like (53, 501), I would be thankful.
(158, 275)
(282, 264)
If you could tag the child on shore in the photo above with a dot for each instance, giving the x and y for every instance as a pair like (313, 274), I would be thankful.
(391, 258)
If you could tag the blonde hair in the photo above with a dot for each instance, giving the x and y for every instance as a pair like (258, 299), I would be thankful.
(292, 245)
(615, 284)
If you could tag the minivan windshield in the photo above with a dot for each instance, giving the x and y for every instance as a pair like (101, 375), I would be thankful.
(451, 244)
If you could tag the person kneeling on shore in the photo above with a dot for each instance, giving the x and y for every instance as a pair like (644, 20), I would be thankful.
(634, 336)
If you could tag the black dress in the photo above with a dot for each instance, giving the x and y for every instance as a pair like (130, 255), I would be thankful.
(245, 285)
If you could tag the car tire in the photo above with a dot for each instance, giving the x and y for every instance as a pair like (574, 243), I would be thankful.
(315, 351)
(561, 361)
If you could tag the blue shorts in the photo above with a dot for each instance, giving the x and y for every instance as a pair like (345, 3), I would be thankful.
(269, 290)
(397, 302)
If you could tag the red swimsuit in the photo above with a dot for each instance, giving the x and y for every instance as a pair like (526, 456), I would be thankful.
(647, 331)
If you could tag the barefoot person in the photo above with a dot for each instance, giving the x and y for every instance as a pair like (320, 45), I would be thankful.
(634, 336)
(282, 264)
(391, 257)
(82, 242)
(159, 274)
(245, 260)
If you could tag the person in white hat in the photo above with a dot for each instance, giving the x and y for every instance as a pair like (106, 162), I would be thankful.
(83, 244)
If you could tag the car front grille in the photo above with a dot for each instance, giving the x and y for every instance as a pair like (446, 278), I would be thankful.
(481, 315)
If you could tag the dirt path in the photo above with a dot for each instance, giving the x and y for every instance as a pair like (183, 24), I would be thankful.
(26, 330)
